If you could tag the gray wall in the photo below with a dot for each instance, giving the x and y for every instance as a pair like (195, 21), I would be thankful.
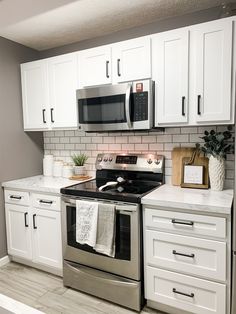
(20, 152)
(159, 26)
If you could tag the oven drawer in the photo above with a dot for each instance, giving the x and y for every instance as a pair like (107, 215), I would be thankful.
(17, 197)
(185, 293)
(194, 256)
(185, 223)
(45, 201)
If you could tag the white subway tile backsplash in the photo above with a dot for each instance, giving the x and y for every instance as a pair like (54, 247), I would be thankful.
(63, 144)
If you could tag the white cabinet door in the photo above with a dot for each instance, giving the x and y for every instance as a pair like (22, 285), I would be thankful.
(170, 66)
(62, 72)
(213, 60)
(18, 231)
(47, 245)
(131, 60)
(94, 66)
(35, 95)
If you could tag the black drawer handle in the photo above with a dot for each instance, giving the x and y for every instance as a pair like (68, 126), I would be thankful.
(183, 106)
(34, 224)
(15, 197)
(44, 120)
(45, 202)
(191, 295)
(107, 69)
(180, 222)
(182, 254)
(25, 217)
(52, 120)
(118, 67)
(199, 105)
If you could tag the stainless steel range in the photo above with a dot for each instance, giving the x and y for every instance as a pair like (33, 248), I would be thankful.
(121, 179)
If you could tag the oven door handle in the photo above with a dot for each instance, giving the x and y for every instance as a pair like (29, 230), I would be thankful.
(127, 105)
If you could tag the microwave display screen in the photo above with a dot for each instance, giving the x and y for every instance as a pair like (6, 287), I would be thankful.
(106, 109)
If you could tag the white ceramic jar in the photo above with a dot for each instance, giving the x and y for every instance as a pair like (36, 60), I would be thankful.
(57, 168)
(67, 171)
(48, 165)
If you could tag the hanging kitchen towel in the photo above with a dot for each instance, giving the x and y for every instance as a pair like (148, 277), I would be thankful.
(106, 229)
(86, 222)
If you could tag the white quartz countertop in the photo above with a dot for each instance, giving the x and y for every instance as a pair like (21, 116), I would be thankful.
(170, 196)
(41, 184)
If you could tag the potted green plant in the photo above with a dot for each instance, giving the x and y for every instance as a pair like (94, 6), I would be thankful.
(216, 146)
(79, 161)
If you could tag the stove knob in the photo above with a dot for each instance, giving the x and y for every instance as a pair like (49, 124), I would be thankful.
(149, 161)
(99, 159)
(105, 159)
(110, 159)
(157, 162)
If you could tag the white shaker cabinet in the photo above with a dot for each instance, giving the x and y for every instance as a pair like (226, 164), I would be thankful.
(170, 63)
(18, 231)
(212, 47)
(131, 60)
(35, 95)
(94, 66)
(49, 93)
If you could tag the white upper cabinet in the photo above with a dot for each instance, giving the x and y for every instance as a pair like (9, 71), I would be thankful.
(34, 95)
(94, 66)
(213, 70)
(132, 60)
(62, 76)
(170, 62)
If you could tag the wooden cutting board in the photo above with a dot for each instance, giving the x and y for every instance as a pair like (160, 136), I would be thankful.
(178, 153)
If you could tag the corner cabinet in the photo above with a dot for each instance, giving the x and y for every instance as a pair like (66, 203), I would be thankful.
(194, 70)
(33, 223)
(49, 93)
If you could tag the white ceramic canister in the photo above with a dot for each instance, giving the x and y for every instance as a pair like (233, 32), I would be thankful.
(48, 165)
(67, 170)
(57, 168)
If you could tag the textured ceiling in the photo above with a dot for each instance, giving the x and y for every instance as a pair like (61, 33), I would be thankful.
(58, 22)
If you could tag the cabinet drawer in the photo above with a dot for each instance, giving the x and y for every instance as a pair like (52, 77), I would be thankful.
(185, 223)
(185, 292)
(17, 197)
(194, 256)
(46, 201)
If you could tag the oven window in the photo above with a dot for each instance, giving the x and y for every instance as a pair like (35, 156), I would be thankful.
(123, 232)
(109, 109)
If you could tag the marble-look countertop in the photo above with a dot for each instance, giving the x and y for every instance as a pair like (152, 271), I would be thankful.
(41, 184)
(170, 196)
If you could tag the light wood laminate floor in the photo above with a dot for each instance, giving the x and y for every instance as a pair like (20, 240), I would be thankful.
(46, 293)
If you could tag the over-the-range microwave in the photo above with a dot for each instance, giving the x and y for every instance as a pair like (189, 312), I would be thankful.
(125, 106)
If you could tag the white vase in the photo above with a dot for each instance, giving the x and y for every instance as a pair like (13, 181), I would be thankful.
(216, 173)
(80, 170)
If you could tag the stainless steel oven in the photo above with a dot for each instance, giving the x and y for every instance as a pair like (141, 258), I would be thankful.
(125, 106)
(117, 279)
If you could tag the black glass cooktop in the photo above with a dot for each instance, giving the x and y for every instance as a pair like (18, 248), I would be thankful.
(129, 191)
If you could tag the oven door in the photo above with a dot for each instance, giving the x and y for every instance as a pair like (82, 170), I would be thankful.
(104, 108)
(127, 260)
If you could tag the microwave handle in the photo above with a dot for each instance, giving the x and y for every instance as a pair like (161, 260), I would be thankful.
(127, 105)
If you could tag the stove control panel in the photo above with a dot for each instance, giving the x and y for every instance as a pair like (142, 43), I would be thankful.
(131, 162)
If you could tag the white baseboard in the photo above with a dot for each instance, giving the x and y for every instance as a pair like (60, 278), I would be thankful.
(4, 260)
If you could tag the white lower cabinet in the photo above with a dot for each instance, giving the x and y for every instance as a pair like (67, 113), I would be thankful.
(34, 231)
(186, 264)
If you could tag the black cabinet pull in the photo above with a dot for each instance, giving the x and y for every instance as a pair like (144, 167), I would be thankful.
(15, 197)
(199, 105)
(118, 67)
(52, 120)
(45, 202)
(183, 106)
(182, 254)
(107, 69)
(44, 120)
(180, 222)
(25, 216)
(191, 295)
(34, 224)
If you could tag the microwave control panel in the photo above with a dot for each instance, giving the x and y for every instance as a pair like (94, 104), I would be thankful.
(139, 106)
